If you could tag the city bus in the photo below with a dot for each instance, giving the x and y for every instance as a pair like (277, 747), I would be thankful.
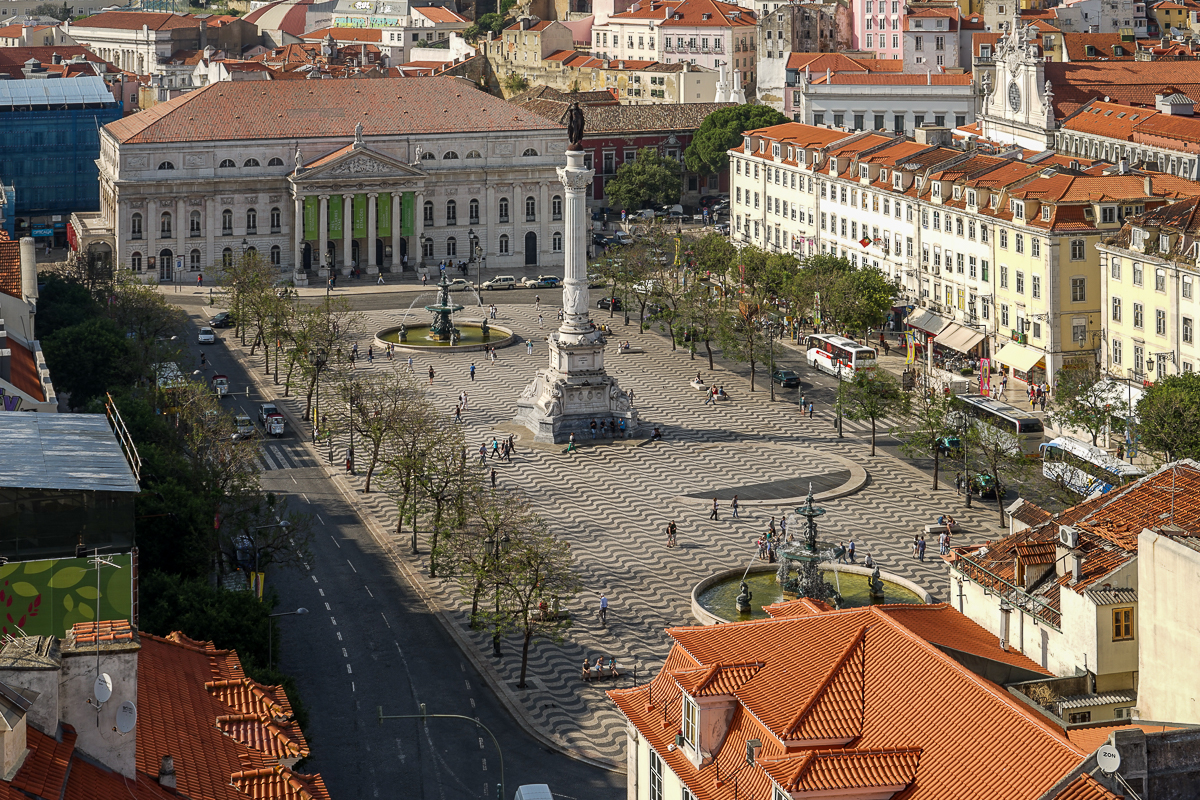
(831, 353)
(1085, 469)
(1025, 428)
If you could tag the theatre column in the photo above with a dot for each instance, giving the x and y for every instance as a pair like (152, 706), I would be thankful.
(397, 258)
(347, 233)
(372, 267)
(298, 273)
(323, 238)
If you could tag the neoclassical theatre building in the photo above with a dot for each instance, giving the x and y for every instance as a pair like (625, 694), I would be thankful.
(327, 174)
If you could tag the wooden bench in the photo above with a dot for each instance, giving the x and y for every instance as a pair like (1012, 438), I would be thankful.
(605, 673)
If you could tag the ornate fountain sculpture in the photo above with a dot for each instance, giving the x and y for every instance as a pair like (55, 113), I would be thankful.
(807, 556)
(442, 328)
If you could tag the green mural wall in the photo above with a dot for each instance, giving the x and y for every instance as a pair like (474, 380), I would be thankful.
(45, 598)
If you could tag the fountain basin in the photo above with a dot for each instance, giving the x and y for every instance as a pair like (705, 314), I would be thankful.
(471, 339)
(713, 599)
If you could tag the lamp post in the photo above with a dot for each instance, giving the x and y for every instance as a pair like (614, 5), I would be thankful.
(424, 716)
(241, 291)
(495, 545)
(962, 425)
(317, 358)
(350, 422)
(271, 631)
(838, 404)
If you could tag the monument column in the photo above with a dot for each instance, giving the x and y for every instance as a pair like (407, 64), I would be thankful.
(323, 238)
(347, 232)
(397, 201)
(372, 267)
(576, 180)
(544, 217)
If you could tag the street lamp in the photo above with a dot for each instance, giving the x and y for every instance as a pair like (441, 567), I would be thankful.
(350, 424)
(271, 631)
(317, 358)
(838, 405)
(424, 716)
(495, 545)
(962, 425)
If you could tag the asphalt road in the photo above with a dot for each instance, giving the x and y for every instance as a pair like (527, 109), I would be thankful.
(368, 641)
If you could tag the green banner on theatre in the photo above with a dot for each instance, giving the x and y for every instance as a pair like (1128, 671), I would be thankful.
(408, 214)
(335, 217)
(312, 218)
(358, 213)
(47, 597)
(383, 215)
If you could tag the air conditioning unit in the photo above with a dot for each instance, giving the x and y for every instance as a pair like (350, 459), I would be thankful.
(1068, 537)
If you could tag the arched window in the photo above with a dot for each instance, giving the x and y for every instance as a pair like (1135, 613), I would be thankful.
(557, 242)
(427, 248)
(227, 222)
(164, 226)
(251, 221)
(474, 154)
(194, 260)
(428, 212)
(227, 164)
(556, 207)
(227, 257)
(504, 209)
(194, 224)
(451, 212)
(428, 156)
(135, 262)
(276, 220)
(504, 244)
(251, 162)
(135, 226)
(530, 209)
(166, 165)
(450, 155)
(251, 249)
(275, 162)
(276, 256)
(451, 246)
(474, 209)
(529, 151)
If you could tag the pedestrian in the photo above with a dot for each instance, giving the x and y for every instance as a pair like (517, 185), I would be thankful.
(850, 552)
(463, 397)
(593, 427)
(539, 320)
(370, 354)
(200, 279)
(713, 514)
(410, 363)
(529, 347)
(733, 506)
(630, 395)
(603, 609)
(537, 302)
(483, 453)
(512, 445)
(380, 281)
(571, 444)
(623, 429)
(671, 533)
(472, 370)
(958, 479)
(495, 448)
(841, 553)
(921, 549)
(349, 465)
(203, 361)
(352, 354)
(802, 406)
(810, 410)
(942, 543)
(771, 529)
(916, 544)
(424, 277)
(494, 357)
(430, 374)
(458, 414)
(711, 396)
(1042, 402)
(603, 429)
(493, 477)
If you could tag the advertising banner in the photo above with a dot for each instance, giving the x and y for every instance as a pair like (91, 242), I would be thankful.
(383, 215)
(358, 210)
(408, 214)
(312, 218)
(47, 597)
(335, 217)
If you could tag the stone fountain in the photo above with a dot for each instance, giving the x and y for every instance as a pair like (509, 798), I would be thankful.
(443, 329)
(807, 556)
(443, 332)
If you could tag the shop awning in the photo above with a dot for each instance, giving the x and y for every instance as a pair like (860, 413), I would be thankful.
(1019, 357)
(928, 321)
(959, 337)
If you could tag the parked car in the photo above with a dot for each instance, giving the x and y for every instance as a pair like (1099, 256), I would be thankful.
(609, 304)
(221, 320)
(949, 445)
(621, 238)
(786, 378)
(500, 282)
(459, 285)
(244, 427)
(983, 485)
(722, 228)
(220, 385)
(600, 240)
(206, 336)
(595, 281)
(541, 282)
(267, 410)
(647, 287)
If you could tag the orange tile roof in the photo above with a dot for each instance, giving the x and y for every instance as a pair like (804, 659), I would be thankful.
(46, 767)
(1089, 738)
(819, 62)
(1108, 119)
(347, 34)
(799, 134)
(134, 20)
(1085, 787)
(907, 79)
(717, 679)
(873, 727)
(438, 14)
(10, 265)
(691, 14)
(1129, 82)
(91, 782)
(942, 625)
(535, 28)
(23, 370)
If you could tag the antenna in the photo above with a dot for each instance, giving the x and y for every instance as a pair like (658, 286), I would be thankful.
(103, 683)
(126, 718)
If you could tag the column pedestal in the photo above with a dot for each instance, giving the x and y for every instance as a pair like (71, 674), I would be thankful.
(574, 390)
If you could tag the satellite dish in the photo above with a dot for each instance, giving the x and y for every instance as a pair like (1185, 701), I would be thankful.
(103, 687)
(126, 717)
(1108, 758)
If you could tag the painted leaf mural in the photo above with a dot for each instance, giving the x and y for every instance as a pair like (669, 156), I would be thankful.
(47, 597)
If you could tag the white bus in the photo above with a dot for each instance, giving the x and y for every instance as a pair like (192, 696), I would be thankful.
(1085, 469)
(1022, 426)
(827, 353)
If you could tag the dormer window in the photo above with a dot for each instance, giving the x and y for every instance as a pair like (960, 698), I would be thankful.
(957, 192)
(762, 147)
(937, 189)
(1164, 242)
(691, 721)
(1045, 213)
(971, 197)
(1138, 238)
(1017, 209)
(883, 174)
(775, 150)
(748, 145)
(863, 171)
(896, 178)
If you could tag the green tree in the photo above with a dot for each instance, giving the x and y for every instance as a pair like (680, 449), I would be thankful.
(924, 428)
(514, 83)
(708, 152)
(998, 454)
(650, 179)
(61, 304)
(703, 304)
(867, 295)
(60, 13)
(872, 394)
(87, 359)
(1169, 417)
(1085, 400)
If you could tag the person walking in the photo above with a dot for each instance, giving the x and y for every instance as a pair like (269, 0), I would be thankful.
(623, 436)
(1042, 401)
(539, 320)
(472, 370)
(529, 347)
(921, 549)
(458, 414)
(537, 302)
(942, 548)
(593, 427)
(671, 533)
(603, 609)
(916, 544)
(495, 448)
(200, 279)
(512, 446)
(958, 480)
(483, 453)
(733, 506)
(380, 281)
(713, 514)
(370, 354)
(571, 444)
(493, 477)
(850, 551)
(410, 363)
(712, 396)
(424, 277)
(431, 375)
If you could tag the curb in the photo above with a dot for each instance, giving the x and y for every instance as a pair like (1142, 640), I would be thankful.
(501, 691)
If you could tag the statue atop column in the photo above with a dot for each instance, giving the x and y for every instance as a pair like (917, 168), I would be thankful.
(358, 132)
(574, 126)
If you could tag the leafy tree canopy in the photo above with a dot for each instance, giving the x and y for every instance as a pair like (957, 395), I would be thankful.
(722, 130)
(58, 12)
(650, 179)
(97, 354)
(1169, 416)
(1084, 400)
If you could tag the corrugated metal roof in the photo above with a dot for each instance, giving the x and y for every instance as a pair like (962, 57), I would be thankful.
(1092, 700)
(1112, 596)
(62, 451)
(65, 91)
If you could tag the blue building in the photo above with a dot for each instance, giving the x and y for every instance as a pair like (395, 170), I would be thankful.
(50, 131)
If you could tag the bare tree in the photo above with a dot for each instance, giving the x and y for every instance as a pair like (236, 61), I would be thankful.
(375, 407)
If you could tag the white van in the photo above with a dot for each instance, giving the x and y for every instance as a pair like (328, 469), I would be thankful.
(533, 791)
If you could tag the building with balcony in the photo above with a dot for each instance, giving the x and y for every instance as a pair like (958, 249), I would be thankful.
(1164, 139)
(796, 28)
(931, 40)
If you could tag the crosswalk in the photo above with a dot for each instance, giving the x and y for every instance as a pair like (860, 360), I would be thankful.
(283, 456)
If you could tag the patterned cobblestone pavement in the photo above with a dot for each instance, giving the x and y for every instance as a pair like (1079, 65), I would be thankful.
(613, 500)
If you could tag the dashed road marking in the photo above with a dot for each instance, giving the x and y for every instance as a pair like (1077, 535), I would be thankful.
(322, 591)
(335, 541)
(468, 683)
(385, 622)
(472, 699)
(314, 577)
(349, 670)
(318, 516)
(351, 566)
(333, 620)
(344, 653)
(327, 608)
(302, 494)
(353, 688)
(480, 742)
(368, 588)
(339, 635)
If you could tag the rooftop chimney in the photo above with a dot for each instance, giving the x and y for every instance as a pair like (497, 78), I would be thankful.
(56, 59)
(12, 731)
(116, 646)
(29, 269)
(1149, 186)
(166, 773)
(1075, 564)
(1123, 166)
(1005, 613)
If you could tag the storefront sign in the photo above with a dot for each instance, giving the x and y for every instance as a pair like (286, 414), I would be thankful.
(42, 230)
